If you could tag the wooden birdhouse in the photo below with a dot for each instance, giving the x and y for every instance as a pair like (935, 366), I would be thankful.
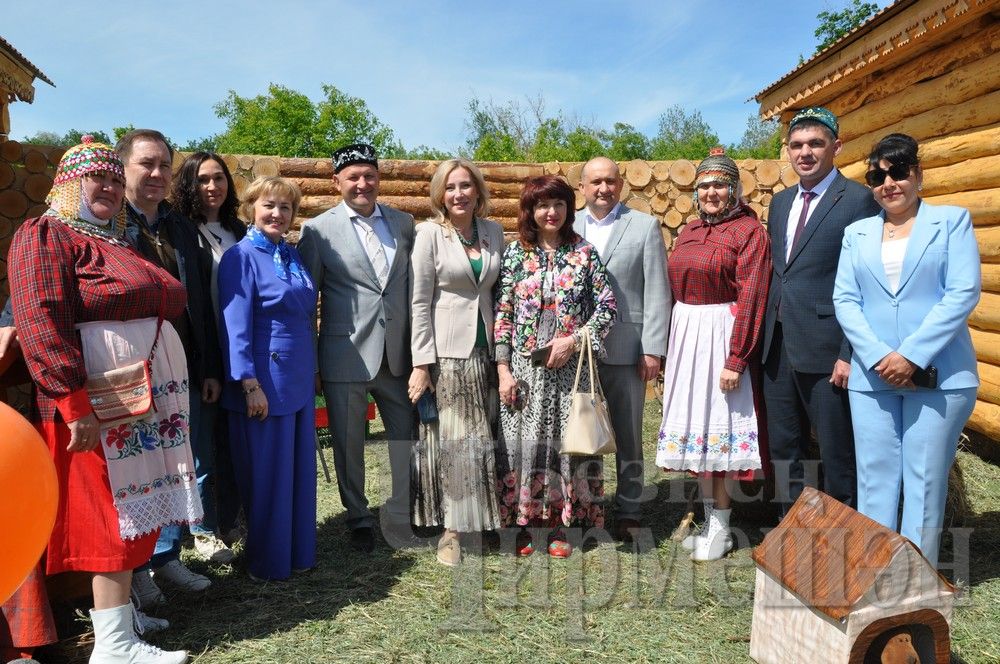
(831, 582)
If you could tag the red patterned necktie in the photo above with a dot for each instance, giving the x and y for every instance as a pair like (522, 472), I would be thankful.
(806, 197)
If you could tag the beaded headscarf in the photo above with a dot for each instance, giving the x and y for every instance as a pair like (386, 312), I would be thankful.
(66, 198)
(717, 167)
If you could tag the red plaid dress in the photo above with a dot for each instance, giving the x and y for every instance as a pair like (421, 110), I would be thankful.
(727, 262)
(58, 278)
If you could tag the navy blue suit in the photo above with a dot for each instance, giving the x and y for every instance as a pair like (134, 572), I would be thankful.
(803, 341)
(266, 333)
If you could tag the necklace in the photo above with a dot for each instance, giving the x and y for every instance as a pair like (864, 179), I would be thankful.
(892, 228)
(475, 235)
(91, 230)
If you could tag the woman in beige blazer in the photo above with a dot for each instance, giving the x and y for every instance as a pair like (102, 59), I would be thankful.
(455, 263)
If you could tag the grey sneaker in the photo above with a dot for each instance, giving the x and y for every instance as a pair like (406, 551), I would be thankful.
(149, 624)
(177, 575)
(213, 549)
(145, 591)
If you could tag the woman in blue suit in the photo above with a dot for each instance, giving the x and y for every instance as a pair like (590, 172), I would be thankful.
(906, 283)
(267, 300)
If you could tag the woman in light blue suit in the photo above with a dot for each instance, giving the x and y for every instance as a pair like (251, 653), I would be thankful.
(906, 283)
(267, 300)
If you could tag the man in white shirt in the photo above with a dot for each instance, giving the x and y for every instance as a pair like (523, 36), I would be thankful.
(358, 254)
(631, 246)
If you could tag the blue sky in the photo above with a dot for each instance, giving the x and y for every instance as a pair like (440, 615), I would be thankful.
(165, 64)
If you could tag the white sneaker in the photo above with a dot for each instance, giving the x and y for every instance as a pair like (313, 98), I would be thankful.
(213, 549)
(176, 574)
(145, 591)
(148, 624)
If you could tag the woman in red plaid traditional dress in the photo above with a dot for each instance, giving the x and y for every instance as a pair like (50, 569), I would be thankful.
(719, 272)
(85, 302)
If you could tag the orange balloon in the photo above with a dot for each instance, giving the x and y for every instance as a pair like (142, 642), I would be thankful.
(28, 496)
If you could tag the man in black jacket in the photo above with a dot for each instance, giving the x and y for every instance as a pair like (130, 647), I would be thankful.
(806, 357)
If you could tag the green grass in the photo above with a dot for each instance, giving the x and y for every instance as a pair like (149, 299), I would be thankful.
(607, 604)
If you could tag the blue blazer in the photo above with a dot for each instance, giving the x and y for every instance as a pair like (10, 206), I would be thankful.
(266, 330)
(925, 321)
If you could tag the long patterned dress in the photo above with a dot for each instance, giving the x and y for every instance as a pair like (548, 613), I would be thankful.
(544, 296)
(64, 284)
(719, 275)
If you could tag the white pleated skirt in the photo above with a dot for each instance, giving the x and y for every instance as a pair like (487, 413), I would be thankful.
(704, 429)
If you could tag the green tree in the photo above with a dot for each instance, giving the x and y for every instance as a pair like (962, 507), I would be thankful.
(834, 25)
(419, 152)
(502, 132)
(761, 140)
(624, 142)
(682, 136)
(287, 123)
(70, 138)
(206, 144)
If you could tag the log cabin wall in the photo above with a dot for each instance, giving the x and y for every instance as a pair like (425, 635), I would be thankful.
(663, 189)
(930, 69)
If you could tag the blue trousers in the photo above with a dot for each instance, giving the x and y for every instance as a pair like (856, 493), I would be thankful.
(908, 438)
(275, 466)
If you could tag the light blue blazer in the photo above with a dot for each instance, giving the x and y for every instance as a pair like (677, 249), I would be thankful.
(925, 321)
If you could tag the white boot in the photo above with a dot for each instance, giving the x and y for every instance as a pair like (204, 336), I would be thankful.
(689, 542)
(715, 541)
(115, 641)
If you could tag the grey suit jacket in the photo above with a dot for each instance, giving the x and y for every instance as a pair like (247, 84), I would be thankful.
(359, 322)
(803, 285)
(446, 295)
(636, 261)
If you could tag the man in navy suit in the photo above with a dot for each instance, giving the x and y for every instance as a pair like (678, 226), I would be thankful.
(806, 357)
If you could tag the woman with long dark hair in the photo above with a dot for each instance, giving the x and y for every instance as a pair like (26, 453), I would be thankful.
(205, 193)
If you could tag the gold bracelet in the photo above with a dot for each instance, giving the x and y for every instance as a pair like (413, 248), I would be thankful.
(250, 390)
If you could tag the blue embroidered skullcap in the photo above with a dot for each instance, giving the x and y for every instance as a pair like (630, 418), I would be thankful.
(817, 114)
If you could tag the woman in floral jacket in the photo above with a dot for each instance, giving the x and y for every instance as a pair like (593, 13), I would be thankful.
(552, 285)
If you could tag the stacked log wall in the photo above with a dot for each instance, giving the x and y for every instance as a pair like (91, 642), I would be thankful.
(948, 99)
(26, 173)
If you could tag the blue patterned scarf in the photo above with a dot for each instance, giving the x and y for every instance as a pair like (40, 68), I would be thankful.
(284, 260)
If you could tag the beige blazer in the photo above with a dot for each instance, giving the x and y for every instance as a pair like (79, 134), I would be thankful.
(446, 296)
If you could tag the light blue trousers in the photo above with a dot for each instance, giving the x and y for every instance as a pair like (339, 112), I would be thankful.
(908, 439)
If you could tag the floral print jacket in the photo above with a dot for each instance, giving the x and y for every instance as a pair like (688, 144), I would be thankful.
(583, 296)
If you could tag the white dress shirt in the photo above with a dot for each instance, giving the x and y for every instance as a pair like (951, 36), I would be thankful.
(598, 231)
(381, 227)
(793, 214)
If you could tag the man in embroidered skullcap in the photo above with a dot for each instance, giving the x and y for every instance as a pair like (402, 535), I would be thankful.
(631, 247)
(806, 357)
(358, 254)
(89, 306)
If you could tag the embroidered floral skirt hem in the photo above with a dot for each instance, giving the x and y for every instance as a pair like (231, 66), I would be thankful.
(705, 430)
(141, 477)
(453, 465)
(539, 486)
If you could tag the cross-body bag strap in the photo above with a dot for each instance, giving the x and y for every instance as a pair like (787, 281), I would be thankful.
(159, 314)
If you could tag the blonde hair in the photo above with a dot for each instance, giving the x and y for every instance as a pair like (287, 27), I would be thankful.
(264, 186)
(438, 183)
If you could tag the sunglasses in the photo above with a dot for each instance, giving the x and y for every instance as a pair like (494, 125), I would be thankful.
(898, 172)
